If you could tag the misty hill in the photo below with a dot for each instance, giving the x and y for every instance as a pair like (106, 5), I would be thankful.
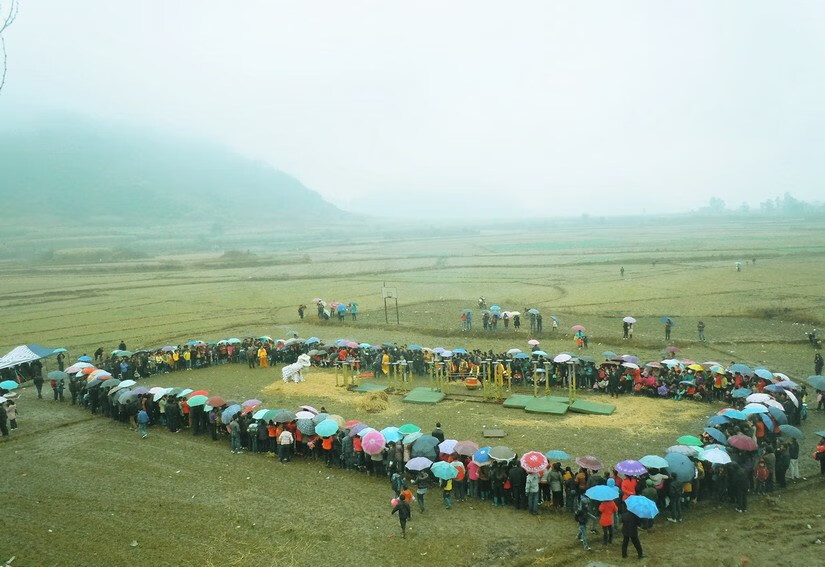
(71, 169)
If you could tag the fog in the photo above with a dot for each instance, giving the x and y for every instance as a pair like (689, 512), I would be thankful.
(458, 109)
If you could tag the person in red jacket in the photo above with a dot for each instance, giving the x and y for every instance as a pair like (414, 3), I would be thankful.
(606, 510)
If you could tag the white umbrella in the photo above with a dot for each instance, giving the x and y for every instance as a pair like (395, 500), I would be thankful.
(792, 397)
(514, 351)
(562, 357)
(716, 456)
(775, 404)
(629, 320)
(630, 365)
(781, 376)
(757, 398)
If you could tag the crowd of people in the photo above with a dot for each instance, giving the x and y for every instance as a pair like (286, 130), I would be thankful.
(750, 448)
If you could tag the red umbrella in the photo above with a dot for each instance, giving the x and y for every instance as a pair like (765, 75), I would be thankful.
(742, 442)
(198, 393)
(533, 462)
(589, 462)
(351, 423)
(216, 401)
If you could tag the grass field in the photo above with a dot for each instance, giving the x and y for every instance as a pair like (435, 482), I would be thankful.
(98, 487)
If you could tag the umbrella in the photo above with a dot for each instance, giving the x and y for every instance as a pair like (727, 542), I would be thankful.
(57, 375)
(502, 453)
(665, 319)
(466, 448)
(533, 311)
(629, 320)
(198, 393)
(763, 373)
(412, 438)
(93, 383)
(84, 358)
(312, 341)
(788, 385)
(319, 417)
(681, 466)
(776, 414)
(419, 463)
(353, 431)
(589, 462)
(112, 382)
(513, 351)
(740, 369)
(408, 428)
(252, 402)
(230, 412)
(557, 455)
(284, 416)
(299, 414)
(533, 462)
(735, 414)
(578, 327)
(9, 385)
(522, 355)
(753, 408)
(533, 342)
(482, 456)
(216, 401)
(424, 446)
(495, 308)
(791, 431)
(690, 440)
(459, 351)
(373, 442)
(792, 397)
(447, 446)
(391, 434)
(654, 462)
(820, 433)
(260, 414)
(771, 403)
(563, 357)
(631, 468)
(742, 442)
(684, 450)
(195, 401)
(741, 393)
(539, 353)
(602, 493)
(630, 365)
(305, 426)
(718, 420)
(140, 391)
(326, 428)
(716, 434)
(716, 456)
(309, 409)
(444, 470)
(641, 506)
(696, 367)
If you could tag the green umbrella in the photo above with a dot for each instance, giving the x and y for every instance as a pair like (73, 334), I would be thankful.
(690, 441)
(197, 401)
(57, 375)
(791, 431)
(269, 415)
(408, 428)
(326, 428)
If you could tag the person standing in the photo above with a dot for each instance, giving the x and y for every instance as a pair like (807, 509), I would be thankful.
(793, 465)
(531, 488)
(582, 516)
(630, 532)
(235, 435)
(38, 384)
(403, 509)
(422, 483)
(607, 510)
(700, 326)
(668, 326)
(818, 364)
(4, 429)
(11, 412)
(301, 309)
(143, 421)
(539, 323)
(438, 433)
(621, 271)
(625, 329)
(60, 358)
(285, 441)
(262, 357)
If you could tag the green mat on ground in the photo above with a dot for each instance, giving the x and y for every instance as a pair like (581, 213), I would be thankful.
(518, 401)
(423, 396)
(580, 406)
(546, 405)
(367, 387)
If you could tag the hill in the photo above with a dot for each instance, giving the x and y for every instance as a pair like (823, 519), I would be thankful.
(74, 170)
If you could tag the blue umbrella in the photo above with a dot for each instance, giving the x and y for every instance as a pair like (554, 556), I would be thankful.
(557, 455)
(764, 373)
(312, 341)
(522, 355)
(602, 493)
(778, 415)
(227, 414)
(735, 414)
(482, 456)
(774, 388)
(326, 428)
(741, 393)
(539, 353)
(391, 434)
(718, 420)
(716, 434)
(365, 345)
(681, 466)
(654, 462)
(9, 385)
(533, 311)
(444, 470)
(341, 307)
(414, 347)
(554, 318)
(740, 368)
(495, 308)
(459, 351)
(817, 382)
(84, 358)
(665, 319)
(642, 506)
(791, 431)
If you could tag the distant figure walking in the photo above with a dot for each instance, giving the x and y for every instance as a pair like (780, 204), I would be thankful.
(301, 309)
(738, 266)
(668, 326)
(818, 364)
(701, 328)
(621, 271)
(625, 329)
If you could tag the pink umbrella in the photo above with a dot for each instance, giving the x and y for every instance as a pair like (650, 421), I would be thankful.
(373, 442)
(310, 408)
(742, 442)
(589, 462)
(578, 327)
(252, 402)
(672, 349)
(533, 462)
(654, 364)
(533, 342)
(466, 448)
(352, 344)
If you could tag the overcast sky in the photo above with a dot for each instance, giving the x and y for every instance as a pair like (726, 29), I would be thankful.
(457, 108)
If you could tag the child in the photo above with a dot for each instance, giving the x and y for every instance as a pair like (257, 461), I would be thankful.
(400, 505)
(762, 474)
(447, 492)
(581, 516)
(396, 482)
(142, 420)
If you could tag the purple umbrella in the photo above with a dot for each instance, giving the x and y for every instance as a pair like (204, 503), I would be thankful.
(662, 390)
(252, 402)
(631, 468)
(630, 358)
(419, 463)
(139, 391)
(356, 428)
